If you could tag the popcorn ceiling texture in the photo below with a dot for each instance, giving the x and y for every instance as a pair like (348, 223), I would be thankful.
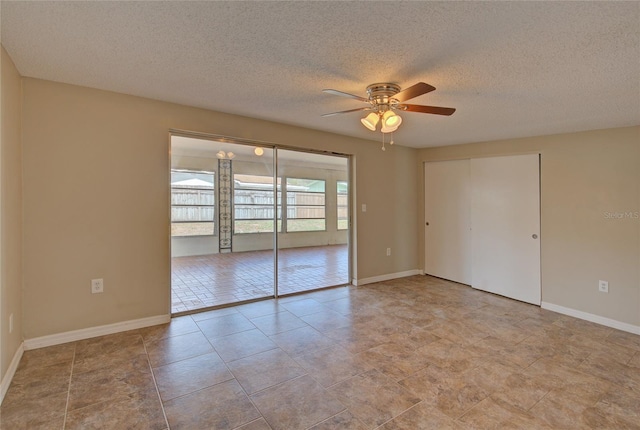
(511, 69)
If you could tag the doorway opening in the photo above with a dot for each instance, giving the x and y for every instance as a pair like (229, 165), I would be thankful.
(251, 221)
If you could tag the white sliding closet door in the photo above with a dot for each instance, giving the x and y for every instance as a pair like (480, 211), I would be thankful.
(447, 219)
(505, 214)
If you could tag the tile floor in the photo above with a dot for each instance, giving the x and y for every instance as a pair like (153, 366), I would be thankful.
(413, 353)
(211, 280)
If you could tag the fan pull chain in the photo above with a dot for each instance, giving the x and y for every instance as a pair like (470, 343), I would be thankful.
(392, 142)
(383, 148)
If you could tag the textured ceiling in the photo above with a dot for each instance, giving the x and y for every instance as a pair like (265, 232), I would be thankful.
(511, 69)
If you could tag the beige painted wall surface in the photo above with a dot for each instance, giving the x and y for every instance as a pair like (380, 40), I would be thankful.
(590, 201)
(96, 175)
(10, 213)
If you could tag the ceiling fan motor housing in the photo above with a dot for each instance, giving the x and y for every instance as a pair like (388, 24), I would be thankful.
(381, 95)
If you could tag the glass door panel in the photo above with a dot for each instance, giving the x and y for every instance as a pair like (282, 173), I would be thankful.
(223, 213)
(313, 249)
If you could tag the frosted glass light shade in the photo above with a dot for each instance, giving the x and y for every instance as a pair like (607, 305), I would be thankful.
(371, 121)
(386, 129)
(391, 119)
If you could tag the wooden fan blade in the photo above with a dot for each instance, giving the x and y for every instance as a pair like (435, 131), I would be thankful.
(343, 94)
(414, 91)
(429, 109)
(346, 111)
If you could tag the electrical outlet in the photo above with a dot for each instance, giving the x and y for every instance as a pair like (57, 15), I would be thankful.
(603, 286)
(97, 286)
(364, 207)
(388, 252)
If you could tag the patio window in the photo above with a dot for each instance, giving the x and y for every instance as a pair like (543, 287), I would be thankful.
(305, 205)
(343, 204)
(192, 203)
(253, 204)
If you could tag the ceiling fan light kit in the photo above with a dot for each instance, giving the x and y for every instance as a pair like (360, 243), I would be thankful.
(225, 155)
(384, 99)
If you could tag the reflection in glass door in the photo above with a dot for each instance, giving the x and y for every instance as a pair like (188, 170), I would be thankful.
(227, 203)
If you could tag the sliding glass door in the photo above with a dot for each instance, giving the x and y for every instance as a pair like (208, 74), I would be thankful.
(250, 222)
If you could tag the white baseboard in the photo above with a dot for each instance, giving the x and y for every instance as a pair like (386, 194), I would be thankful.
(387, 277)
(8, 377)
(592, 317)
(86, 333)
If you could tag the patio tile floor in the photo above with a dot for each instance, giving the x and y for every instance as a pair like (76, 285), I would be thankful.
(217, 279)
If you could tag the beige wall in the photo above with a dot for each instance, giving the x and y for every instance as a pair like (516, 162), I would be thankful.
(91, 156)
(586, 179)
(10, 214)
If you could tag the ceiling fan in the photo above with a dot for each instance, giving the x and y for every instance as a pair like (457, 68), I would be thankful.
(385, 99)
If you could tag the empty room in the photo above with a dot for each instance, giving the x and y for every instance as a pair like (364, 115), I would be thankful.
(319, 215)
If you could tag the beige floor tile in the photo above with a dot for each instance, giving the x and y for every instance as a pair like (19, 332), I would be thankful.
(421, 417)
(522, 391)
(329, 294)
(427, 383)
(301, 341)
(111, 359)
(264, 370)
(326, 320)
(189, 375)
(569, 381)
(222, 406)
(224, 325)
(344, 421)
(141, 410)
(595, 331)
(44, 357)
(450, 356)
(108, 344)
(243, 344)
(344, 306)
(176, 348)
(305, 307)
(297, 404)
(492, 414)
(625, 339)
(178, 326)
(624, 404)
(560, 412)
(43, 412)
(394, 360)
(373, 397)
(331, 365)
(259, 309)
(357, 338)
(108, 384)
(612, 370)
(260, 424)
(278, 322)
(31, 383)
(213, 313)
(599, 418)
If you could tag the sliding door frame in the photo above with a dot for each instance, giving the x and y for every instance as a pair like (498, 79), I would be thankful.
(274, 147)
